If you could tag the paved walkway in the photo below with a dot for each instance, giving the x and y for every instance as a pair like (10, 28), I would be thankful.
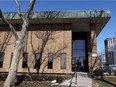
(82, 81)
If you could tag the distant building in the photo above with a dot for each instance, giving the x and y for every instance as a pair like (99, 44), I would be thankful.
(110, 51)
(102, 60)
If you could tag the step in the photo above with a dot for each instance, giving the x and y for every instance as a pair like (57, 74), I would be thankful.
(82, 74)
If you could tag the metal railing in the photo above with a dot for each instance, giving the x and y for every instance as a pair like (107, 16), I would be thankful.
(74, 75)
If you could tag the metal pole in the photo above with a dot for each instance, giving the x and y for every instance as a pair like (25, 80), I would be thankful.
(75, 74)
(76, 79)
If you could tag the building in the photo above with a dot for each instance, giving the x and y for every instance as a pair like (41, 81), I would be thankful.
(109, 43)
(110, 50)
(62, 39)
(102, 60)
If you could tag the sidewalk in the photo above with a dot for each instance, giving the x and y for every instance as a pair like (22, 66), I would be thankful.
(82, 81)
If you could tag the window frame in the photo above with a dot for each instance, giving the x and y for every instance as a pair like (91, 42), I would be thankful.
(62, 66)
(24, 60)
(1, 59)
(37, 61)
(50, 63)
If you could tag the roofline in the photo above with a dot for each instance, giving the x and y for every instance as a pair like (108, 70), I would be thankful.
(61, 14)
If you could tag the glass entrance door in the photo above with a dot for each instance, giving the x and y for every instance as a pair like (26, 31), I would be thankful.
(78, 53)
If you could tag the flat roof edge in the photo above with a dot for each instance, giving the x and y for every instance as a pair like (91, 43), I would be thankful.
(62, 14)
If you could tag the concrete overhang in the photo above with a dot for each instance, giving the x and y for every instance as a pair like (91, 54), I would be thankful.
(79, 20)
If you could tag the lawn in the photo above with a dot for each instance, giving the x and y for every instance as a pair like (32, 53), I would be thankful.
(105, 82)
(31, 84)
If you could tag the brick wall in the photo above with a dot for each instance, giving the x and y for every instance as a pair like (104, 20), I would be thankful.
(59, 42)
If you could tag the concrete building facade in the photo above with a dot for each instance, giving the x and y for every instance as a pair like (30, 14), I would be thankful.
(61, 42)
(110, 50)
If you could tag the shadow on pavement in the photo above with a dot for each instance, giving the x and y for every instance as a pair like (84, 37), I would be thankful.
(103, 80)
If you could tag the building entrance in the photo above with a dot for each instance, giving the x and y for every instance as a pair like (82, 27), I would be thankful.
(79, 57)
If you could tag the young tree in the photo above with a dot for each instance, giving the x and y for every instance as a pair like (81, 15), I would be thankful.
(10, 80)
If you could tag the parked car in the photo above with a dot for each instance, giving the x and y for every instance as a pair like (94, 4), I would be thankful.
(101, 70)
(112, 68)
(105, 69)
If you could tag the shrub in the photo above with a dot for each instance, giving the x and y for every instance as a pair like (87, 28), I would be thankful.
(98, 72)
(43, 78)
(59, 79)
(3, 77)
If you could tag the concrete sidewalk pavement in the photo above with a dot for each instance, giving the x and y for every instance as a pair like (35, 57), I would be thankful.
(82, 81)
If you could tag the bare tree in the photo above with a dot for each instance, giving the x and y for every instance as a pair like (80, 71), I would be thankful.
(4, 40)
(46, 36)
(101, 58)
(10, 80)
(97, 14)
(94, 62)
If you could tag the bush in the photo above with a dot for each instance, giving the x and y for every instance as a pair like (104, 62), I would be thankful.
(3, 76)
(43, 78)
(59, 79)
(98, 72)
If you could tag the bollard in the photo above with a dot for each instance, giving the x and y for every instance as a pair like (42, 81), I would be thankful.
(76, 79)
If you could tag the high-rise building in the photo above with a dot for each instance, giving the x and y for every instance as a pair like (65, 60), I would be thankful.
(110, 50)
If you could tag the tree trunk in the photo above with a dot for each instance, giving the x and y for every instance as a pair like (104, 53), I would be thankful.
(10, 80)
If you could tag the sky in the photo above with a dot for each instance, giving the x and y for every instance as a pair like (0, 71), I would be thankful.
(108, 31)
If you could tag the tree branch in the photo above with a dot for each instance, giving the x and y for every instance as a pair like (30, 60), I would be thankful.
(26, 20)
(19, 10)
(32, 2)
(18, 6)
(9, 24)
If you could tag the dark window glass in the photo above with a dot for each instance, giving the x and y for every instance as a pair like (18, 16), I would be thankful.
(37, 61)
(50, 60)
(25, 56)
(78, 52)
(1, 59)
(63, 61)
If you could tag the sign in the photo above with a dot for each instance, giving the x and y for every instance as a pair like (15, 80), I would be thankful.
(94, 54)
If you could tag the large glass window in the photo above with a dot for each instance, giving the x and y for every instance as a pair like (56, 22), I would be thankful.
(63, 61)
(37, 61)
(1, 59)
(25, 56)
(78, 52)
(50, 60)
